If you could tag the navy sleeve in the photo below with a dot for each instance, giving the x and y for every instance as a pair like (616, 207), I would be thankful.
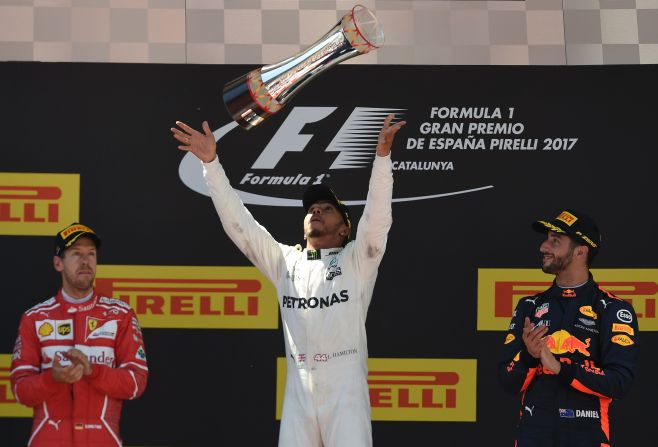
(516, 366)
(619, 338)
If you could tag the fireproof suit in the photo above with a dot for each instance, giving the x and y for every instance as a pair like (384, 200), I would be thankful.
(86, 413)
(594, 335)
(324, 297)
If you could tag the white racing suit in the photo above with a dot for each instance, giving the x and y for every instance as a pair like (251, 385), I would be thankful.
(323, 304)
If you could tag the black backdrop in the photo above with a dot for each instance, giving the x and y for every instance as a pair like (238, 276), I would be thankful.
(110, 123)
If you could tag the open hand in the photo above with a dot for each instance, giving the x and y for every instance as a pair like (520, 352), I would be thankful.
(386, 135)
(533, 337)
(200, 144)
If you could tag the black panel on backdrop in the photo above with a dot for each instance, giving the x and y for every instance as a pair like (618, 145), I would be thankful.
(486, 151)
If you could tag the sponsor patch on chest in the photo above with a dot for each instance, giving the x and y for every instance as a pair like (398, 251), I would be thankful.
(54, 329)
(541, 310)
(101, 329)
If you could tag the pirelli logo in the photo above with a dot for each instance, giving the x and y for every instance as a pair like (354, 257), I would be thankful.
(193, 297)
(413, 389)
(499, 291)
(38, 204)
(9, 407)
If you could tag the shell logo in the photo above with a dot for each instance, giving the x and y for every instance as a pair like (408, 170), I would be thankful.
(46, 329)
(562, 341)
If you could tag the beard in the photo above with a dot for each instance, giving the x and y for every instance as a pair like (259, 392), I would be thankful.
(315, 233)
(558, 264)
(80, 283)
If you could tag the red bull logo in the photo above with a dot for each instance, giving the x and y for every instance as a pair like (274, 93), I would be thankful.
(569, 293)
(562, 341)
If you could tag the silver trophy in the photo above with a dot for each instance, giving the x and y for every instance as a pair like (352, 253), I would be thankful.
(259, 94)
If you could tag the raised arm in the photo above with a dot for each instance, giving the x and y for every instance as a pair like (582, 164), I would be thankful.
(372, 231)
(253, 240)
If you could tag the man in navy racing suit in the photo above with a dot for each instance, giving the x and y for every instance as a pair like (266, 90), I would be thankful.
(571, 349)
(324, 292)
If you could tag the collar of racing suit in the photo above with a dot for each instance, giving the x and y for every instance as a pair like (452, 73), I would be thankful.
(572, 292)
(313, 255)
(79, 307)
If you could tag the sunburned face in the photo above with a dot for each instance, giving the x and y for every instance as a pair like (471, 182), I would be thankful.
(557, 253)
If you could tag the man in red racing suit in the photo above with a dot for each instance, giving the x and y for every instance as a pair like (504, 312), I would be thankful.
(571, 349)
(78, 354)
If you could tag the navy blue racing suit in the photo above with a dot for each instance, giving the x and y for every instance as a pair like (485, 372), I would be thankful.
(594, 335)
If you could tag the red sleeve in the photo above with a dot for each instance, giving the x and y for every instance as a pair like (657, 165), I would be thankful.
(30, 385)
(128, 379)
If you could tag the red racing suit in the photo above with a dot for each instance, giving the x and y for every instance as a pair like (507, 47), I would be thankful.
(594, 335)
(87, 412)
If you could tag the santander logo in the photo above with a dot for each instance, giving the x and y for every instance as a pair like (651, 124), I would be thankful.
(315, 145)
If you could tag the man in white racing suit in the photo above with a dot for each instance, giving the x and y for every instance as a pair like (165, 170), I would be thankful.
(324, 292)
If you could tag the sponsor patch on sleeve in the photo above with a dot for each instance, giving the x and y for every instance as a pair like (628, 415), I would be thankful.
(622, 340)
(140, 354)
(618, 327)
(624, 316)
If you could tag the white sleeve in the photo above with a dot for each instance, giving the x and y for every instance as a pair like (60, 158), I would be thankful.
(253, 240)
(372, 231)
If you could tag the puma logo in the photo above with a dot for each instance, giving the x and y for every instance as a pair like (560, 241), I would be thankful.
(532, 300)
(56, 424)
(530, 409)
(605, 304)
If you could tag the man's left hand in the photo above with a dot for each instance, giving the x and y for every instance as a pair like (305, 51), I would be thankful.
(386, 135)
(549, 361)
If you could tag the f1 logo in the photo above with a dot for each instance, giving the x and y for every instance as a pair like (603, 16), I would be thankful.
(288, 137)
(355, 136)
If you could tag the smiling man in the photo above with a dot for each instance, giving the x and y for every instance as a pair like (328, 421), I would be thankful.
(324, 292)
(79, 354)
(571, 349)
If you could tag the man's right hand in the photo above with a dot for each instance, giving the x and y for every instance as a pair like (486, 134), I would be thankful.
(66, 374)
(533, 337)
(200, 144)
(77, 357)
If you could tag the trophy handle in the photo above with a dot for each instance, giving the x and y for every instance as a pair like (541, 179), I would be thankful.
(259, 94)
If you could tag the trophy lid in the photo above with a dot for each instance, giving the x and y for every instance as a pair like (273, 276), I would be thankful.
(368, 26)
